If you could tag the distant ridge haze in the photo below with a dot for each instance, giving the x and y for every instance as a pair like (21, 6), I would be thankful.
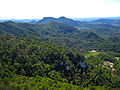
(59, 18)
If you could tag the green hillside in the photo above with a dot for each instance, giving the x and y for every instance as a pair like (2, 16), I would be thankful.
(30, 64)
(52, 31)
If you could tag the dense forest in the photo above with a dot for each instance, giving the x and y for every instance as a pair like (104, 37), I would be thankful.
(59, 55)
(63, 34)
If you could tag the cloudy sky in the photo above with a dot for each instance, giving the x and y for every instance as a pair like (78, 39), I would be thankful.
(29, 9)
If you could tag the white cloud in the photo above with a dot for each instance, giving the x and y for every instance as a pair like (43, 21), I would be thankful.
(56, 8)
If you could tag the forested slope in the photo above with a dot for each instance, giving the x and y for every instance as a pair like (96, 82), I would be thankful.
(62, 34)
(28, 63)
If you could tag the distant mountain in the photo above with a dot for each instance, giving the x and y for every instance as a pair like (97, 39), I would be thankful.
(60, 20)
(87, 19)
(47, 19)
(95, 18)
(20, 20)
(102, 26)
(107, 21)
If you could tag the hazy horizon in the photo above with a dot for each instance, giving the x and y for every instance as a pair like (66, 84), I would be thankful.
(37, 9)
(74, 18)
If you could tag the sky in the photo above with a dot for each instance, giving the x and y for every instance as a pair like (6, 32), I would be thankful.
(37, 9)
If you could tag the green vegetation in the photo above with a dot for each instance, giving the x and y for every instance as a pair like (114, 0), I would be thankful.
(54, 55)
(30, 64)
(62, 34)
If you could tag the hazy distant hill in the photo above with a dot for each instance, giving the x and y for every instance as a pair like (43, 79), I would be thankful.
(95, 18)
(103, 27)
(108, 21)
(20, 20)
(60, 20)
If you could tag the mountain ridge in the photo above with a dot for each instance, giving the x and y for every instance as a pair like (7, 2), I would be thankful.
(60, 20)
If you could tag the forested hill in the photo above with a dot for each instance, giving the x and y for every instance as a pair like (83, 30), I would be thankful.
(63, 34)
(21, 53)
(52, 31)
(27, 64)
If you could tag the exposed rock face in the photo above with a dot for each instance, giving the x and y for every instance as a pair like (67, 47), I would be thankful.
(79, 64)
(93, 51)
(117, 58)
(108, 65)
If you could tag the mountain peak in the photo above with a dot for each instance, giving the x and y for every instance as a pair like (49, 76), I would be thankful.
(62, 17)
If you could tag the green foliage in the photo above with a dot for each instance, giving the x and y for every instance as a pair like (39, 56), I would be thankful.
(29, 64)
(60, 33)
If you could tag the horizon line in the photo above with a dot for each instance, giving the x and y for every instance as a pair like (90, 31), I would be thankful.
(58, 17)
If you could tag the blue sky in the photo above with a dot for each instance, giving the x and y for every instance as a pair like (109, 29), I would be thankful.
(31, 9)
